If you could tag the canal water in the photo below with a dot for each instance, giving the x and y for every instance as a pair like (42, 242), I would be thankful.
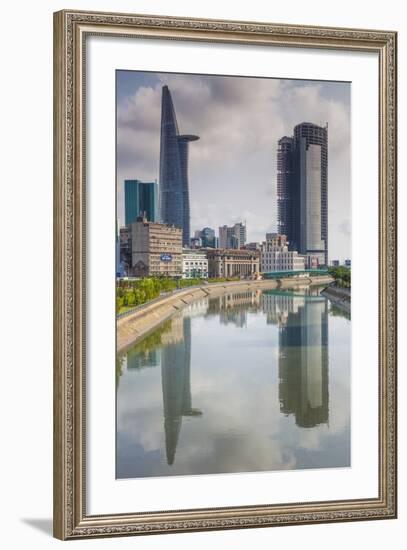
(251, 381)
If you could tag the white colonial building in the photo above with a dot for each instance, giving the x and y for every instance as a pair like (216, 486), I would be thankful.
(275, 256)
(194, 264)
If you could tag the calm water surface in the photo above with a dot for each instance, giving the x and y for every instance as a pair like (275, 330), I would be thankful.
(249, 381)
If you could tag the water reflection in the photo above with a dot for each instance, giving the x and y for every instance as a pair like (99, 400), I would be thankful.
(303, 364)
(234, 307)
(259, 359)
(176, 382)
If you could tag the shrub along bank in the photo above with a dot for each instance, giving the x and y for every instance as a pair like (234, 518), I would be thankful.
(342, 276)
(130, 294)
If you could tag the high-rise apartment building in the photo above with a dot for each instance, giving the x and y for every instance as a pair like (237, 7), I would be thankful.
(140, 199)
(302, 190)
(174, 187)
(225, 233)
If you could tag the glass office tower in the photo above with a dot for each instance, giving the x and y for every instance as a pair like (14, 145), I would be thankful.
(140, 198)
(174, 186)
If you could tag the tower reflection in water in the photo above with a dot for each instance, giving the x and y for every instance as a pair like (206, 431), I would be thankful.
(302, 355)
(176, 382)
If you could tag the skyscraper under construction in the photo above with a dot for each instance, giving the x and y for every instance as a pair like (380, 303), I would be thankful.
(302, 190)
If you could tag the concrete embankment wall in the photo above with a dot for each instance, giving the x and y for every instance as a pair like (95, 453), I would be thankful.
(144, 319)
(291, 282)
(339, 296)
(136, 325)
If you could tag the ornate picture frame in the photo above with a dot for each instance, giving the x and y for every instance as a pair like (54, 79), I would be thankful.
(71, 31)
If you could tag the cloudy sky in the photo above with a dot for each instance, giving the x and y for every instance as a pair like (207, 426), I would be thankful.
(233, 167)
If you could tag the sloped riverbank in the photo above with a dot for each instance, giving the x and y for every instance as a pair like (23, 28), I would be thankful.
(138, 323)
(339, 296)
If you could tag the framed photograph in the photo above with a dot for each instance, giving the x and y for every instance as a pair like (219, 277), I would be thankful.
(225, 274)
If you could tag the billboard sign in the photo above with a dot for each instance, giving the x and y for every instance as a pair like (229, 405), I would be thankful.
(166, 257)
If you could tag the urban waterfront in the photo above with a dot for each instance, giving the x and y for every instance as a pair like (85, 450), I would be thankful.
(248, 381)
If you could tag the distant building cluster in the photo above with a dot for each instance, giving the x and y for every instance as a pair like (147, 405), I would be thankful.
(337, 263)
(156, 238)
(205, 238)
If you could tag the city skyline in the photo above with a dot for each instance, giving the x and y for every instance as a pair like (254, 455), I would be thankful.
(233, 169)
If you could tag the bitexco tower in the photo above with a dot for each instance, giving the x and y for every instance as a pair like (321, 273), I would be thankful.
(174, 187)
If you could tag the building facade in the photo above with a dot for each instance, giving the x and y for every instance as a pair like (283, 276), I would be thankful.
(233, 236)
(253, 246)
(233, 263)
(276, 239)
(140, 198)
(125, 249)
(285, 187)
(225, 234)
(174, 186)
(276, 256)
(156, 249)
(194, 264)
(119, 265)
(302, 190)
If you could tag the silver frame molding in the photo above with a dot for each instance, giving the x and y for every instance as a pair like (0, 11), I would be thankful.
(70, 31)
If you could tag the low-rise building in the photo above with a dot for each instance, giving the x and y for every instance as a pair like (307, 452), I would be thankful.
(275, 255)
(276, 239)
(156, 249)
(253, 246)
(194, 264)
(227, 262)
(313, 261)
